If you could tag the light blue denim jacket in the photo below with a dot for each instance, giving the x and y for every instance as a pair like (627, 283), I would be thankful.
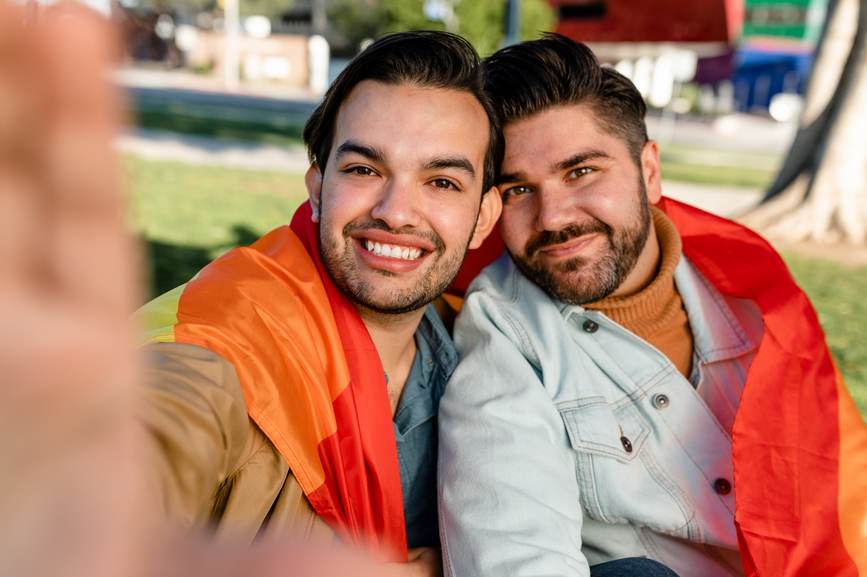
(567, 441)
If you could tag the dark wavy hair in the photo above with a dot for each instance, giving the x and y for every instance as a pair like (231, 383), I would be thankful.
(423, 58)
(530, 77)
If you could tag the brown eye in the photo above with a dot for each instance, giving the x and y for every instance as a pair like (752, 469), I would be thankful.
(515, 191)
(360, 170)
(579, 172)
(444, 183)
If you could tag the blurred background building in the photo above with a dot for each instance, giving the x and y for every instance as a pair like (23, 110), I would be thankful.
(710, 57)
(740, 54)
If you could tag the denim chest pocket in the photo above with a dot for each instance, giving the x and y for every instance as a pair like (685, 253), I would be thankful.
(620, 479)
(594, 427)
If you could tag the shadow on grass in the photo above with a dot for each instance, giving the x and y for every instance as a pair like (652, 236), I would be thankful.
(172, 265)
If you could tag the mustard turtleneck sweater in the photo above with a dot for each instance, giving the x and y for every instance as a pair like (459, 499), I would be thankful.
(656, 313)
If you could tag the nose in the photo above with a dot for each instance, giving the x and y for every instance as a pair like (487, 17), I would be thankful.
(398, 204)
(555, 208)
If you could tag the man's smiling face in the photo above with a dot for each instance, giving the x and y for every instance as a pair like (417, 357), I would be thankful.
(400, 196)
(575, 204)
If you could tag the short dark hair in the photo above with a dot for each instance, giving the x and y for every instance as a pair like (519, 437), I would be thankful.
(423, 58)
(530, 77)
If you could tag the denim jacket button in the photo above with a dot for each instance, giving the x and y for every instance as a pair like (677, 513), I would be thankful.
(627, 444)
(590, 326)
(722, 486)
(660, 401)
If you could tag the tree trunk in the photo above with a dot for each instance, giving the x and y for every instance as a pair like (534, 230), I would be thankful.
(820, 193)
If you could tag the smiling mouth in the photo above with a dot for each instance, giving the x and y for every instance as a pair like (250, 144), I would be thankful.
(570, 247)
(394, 251)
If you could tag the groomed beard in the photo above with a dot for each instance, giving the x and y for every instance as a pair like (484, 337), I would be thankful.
(581, 280)
(343, 270)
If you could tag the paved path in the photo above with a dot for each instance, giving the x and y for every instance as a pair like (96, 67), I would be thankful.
(161, 145)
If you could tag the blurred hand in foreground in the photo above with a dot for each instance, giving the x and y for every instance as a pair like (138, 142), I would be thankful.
(69, 500)
(67, 287)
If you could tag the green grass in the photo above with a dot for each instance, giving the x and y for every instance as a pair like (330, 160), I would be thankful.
(274, 133)
(837, 292)
(754, 178)
(190, 214)
(717, 167)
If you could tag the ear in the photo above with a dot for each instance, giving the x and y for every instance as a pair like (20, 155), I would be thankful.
(313, 181)
(489, 214)
(650, 171)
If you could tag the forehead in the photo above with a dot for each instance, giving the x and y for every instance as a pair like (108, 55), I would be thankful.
(410, 122)
(556, 134)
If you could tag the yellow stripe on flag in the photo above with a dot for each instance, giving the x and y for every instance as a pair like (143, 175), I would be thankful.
(160, 316)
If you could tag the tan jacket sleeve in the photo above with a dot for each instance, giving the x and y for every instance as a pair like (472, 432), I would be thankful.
(194, 412)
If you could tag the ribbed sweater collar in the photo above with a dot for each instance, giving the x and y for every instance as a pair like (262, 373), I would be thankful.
(654, 307)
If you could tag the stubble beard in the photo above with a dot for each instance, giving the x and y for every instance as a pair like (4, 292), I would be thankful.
(581, 280)
(343, 269)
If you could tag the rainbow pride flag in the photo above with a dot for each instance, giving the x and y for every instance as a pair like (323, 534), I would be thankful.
(309, 372)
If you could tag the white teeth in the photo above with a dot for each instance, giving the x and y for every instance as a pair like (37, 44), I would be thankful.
(392, 251)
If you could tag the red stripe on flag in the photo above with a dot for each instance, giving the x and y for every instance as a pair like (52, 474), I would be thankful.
(364, 459)
(785, 440)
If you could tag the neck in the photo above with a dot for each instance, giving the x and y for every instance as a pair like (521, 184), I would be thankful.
(392, 334)
(393, 337)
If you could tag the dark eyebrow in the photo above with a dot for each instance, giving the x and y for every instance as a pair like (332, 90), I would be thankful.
(579, 158)
(458, 162)
(574, 160)
(369, 152)
(511, 177)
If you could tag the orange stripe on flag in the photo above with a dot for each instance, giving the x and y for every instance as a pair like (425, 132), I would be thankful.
(309, 372)
(853, 478)
(250, 306)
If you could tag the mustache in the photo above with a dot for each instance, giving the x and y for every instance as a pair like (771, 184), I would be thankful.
(548, 238)
(376, 224)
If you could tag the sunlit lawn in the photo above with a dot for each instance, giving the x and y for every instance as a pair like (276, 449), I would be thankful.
(837, 292)
(190, 214)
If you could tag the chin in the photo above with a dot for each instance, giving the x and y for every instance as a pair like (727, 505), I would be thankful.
(394, 306)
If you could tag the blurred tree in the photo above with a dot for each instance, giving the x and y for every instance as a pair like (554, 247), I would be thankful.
(820, 192)
(481, 22)
(272, 9)
(356, 20)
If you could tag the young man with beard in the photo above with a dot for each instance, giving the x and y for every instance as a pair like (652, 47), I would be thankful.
(638, 378)
(293, 385)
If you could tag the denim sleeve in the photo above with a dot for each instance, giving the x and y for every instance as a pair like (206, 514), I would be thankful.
(508, 493)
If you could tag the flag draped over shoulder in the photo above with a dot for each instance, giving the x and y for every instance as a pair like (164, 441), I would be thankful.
(309, 372)
(798, 442)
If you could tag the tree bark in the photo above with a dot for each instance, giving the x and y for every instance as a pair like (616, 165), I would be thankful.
(820, 192)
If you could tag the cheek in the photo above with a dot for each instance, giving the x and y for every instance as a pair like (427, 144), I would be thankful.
(453, 220)
(515, 227)
(343, 203)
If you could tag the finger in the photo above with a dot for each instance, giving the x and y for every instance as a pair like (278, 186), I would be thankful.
(90, 252)
(23, 111)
